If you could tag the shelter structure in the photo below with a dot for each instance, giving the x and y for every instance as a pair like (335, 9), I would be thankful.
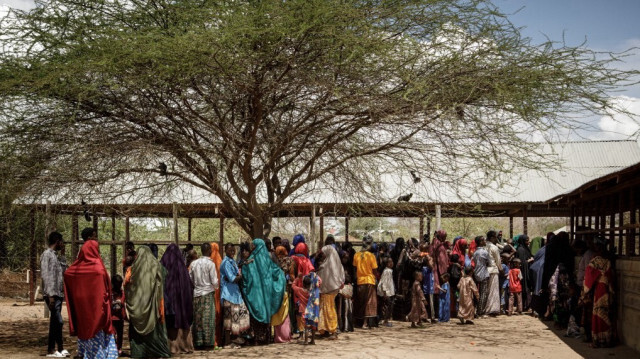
(595, 185)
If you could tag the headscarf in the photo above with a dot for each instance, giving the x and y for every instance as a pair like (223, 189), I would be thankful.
(297, 239)
(516, 241)
(301, 257)
(145, 292)
(457, 249)
(537, 269)
(312, 312)
(178, 294)
(215, 257)
(536, 244)
(281, 251)
(286, 245)
(87, 289)
(331, 270)
(263, 283)
(439, 253)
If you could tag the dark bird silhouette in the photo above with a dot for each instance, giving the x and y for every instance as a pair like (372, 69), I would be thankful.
(163, 169)
(405, 198)
(87, 217)
(416, 179)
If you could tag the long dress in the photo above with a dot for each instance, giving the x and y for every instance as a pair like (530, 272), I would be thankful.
(468, 291)
(178, 301)
(86, 285)
(332, 274)
(217, 260)
(145, 304)
(524, 253)
(598, 289)
(418, 311)
(444, 301)
(263, 287)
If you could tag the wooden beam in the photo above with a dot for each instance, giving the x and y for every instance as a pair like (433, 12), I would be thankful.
(429, 227)
(421, 228)
(631, 233)
(572, 224)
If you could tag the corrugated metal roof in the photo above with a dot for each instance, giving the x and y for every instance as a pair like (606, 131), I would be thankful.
(580, 162)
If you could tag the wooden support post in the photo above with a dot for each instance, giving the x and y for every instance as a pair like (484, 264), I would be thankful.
(95, 224)
(114, 266)
(175, 223)
(312, 228)
(346, 228)
(189, 230)
(74, 236)
(429, 227)
(510, 226)
(572, 224)
(33, 253)
(525, 220)
(48, 222)
(221, 232)
(127, 233)
(621, 240)
(438, 217)
(631, 233)
(321, 241)
(421, 231)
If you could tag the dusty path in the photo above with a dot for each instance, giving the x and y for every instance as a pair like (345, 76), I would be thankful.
(24, 332)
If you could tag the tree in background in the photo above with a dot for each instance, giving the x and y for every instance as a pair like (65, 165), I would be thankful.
(259, 103)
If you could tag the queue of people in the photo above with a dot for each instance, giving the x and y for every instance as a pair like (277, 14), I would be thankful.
(276, 292)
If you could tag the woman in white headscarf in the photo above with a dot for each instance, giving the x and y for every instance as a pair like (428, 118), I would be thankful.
(332, 274)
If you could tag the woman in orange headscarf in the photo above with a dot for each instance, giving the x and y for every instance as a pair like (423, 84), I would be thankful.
(217, 259)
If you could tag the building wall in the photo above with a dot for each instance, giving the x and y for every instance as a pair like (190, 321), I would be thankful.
(628, 272)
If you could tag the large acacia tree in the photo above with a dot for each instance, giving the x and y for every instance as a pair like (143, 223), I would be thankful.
(260, 101)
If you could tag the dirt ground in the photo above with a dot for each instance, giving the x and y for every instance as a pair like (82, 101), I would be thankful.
(24, 335)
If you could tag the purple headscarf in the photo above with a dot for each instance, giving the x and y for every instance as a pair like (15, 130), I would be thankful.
(178, 294)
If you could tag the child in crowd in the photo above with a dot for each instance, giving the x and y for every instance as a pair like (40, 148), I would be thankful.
(444, 313)
(573, 330)
(515, 286)
(428, 280)
(468, 291)
(301, 296)
(504, 282)
(418, 312)
(117, 309)
(386, 292)
(455, 273)
(312, 311)
(345, 306)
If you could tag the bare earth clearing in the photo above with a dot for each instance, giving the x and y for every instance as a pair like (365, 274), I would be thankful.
(24, 335)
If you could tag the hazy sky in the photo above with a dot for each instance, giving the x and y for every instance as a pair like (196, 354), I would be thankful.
(605, 25)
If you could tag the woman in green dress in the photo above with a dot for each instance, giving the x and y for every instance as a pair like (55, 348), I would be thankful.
(144, 295)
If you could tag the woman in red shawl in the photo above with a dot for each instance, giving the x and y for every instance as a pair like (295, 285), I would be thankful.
(598, 291)
(87, 289)
(301, 258)
(217, 259)
(460, 248)
(439, 253)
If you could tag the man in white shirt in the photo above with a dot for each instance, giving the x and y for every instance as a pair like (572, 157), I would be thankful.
(205, 282)
(493, 301)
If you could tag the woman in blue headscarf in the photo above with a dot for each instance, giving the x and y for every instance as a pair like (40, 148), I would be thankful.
(263, 286)
(298, 238)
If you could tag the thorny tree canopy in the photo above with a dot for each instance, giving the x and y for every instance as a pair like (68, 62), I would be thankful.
(258, 102)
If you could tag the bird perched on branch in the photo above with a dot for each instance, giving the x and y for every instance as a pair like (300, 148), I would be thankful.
(416, 179)
(405, 198)
(163, 169)
(87, 217)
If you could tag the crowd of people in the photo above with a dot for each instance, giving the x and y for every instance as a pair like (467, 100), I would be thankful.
(274, 291)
